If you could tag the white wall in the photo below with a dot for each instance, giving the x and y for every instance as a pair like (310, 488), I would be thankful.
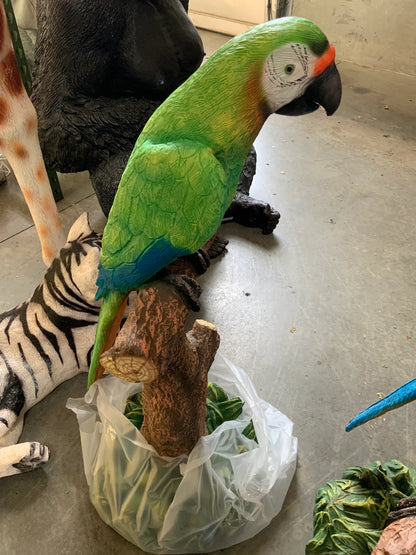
(25, 13)
(227, 16)
(379, 34)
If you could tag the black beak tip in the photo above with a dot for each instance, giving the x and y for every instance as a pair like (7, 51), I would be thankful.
(331, 90)
(331, 111)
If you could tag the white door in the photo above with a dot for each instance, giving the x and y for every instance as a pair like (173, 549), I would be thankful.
(227, 16)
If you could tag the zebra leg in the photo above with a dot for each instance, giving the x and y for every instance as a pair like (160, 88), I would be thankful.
(22, 457)
(12, 401)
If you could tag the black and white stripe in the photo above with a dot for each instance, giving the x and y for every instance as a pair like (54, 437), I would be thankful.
(49, 338)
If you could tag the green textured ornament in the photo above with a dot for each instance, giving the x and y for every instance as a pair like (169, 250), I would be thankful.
(350, 514)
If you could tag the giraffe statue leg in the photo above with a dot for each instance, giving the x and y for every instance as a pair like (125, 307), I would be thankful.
(20, 144)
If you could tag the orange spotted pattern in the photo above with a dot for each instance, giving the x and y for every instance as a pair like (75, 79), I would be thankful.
(10, 74)
(43, 230)
(4, 110)
(31, 125)
(19, 149)
(19, 142)
(27, 193)
(41, 173)
(46, 204)
(48, 252)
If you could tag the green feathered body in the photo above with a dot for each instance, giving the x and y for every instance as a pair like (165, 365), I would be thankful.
(184, 169)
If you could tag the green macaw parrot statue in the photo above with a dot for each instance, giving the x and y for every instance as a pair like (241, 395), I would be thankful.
(184, 169)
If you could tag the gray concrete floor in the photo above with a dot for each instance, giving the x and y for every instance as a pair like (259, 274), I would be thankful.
(340, 268)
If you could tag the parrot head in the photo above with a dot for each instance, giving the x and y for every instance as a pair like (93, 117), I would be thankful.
(300, 74)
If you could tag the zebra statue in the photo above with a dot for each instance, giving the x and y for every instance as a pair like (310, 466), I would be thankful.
(45, 341)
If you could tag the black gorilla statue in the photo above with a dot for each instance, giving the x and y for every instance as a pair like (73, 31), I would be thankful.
(101, 69)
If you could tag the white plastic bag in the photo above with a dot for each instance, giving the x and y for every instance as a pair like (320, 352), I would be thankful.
(226, 491)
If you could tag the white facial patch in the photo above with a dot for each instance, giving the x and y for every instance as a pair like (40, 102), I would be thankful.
(287, 72)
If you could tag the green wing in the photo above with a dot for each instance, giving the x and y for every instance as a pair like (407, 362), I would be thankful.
(176, 192)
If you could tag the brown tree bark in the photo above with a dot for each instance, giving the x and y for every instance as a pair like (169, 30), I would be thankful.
(399, 536)
(152, 347)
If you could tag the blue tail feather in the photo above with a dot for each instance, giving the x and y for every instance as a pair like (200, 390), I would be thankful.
(130, 275)
(397, 398)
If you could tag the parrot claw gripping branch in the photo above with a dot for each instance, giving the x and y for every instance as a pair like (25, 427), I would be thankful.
(184, 169)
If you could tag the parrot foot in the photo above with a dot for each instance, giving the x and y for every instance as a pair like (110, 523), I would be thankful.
(215, 246)
(200, 260)
(251, 212)
(246, 210)
(188, 289)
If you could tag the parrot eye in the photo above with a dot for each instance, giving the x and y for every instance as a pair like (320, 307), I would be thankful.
(289, 69)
